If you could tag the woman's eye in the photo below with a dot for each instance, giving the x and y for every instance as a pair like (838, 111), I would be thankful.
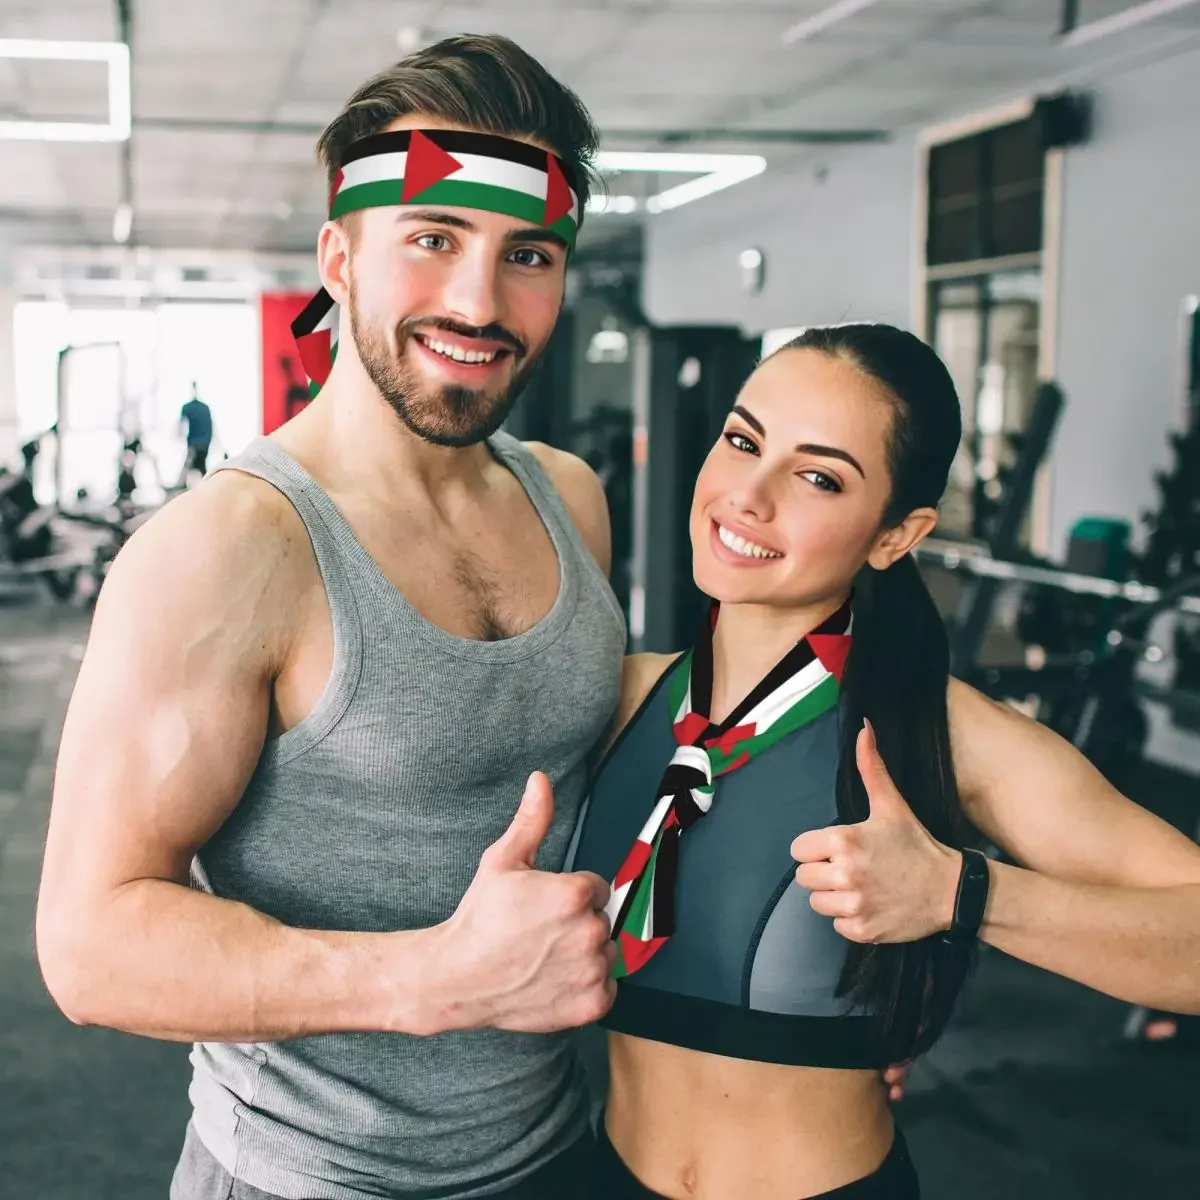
(439, 238)
(739, 441)
(819, 479)
(528, 257)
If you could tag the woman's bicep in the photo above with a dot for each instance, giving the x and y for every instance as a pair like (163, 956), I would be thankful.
(1034, 795)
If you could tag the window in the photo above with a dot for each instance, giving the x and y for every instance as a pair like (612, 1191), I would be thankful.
(985, 195)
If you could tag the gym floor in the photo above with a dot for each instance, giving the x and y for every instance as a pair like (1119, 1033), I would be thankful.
(1032, 1094)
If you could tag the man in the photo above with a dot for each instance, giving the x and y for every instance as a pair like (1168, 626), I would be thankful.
(285, 825)
(196, 419)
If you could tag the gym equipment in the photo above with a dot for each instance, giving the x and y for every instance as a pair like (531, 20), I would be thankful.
(604, 440)
(1003, 528)
(1173, 544)
(1062, 624)
(32, 542)
(1089, 694)
(693, 375)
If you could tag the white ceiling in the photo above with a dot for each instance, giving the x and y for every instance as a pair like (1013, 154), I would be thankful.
(228, 95)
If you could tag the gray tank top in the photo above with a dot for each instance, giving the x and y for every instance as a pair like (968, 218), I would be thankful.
(371, 815)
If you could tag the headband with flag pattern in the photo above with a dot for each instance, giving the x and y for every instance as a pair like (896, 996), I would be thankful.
(454, 168)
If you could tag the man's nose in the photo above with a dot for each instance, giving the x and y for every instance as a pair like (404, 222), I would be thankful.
(472, 291)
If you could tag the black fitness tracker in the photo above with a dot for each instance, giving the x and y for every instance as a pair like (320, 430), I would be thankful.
(971, 899)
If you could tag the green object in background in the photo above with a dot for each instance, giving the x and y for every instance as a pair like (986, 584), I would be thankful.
(1099, 546)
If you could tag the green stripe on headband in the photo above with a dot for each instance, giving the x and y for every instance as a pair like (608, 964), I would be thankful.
(453, 194)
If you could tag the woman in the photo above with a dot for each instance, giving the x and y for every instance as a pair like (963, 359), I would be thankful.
(757, 998)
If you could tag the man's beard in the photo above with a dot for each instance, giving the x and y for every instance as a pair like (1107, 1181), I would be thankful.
(450, 415)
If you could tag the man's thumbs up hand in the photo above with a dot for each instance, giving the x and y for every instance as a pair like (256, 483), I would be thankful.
(520, 842)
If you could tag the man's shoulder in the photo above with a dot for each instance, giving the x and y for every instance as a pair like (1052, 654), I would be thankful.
(564, 468)
(234, 526)
(582, 493)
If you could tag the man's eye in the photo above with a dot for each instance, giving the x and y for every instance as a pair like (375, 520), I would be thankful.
(528, 257)
(439, 238)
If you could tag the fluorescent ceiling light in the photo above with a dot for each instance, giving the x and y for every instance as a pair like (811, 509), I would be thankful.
(833, 15)
(612, 204)
(716, 172)
(120, 115)
(1121, 21)
(747, 167)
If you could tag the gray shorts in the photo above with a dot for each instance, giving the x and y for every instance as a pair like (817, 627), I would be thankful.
(198, 1176)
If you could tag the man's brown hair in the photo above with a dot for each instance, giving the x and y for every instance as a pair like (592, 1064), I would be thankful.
(483, 82)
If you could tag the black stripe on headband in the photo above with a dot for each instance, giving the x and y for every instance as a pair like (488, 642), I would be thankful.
(314, 313)
(459, 141)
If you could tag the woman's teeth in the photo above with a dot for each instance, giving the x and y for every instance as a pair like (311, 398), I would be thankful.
(457, 353)
(739, 545)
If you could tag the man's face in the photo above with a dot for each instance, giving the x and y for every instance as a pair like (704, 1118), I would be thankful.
(450, 309)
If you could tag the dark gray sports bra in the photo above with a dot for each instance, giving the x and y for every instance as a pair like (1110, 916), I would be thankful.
(751, 971)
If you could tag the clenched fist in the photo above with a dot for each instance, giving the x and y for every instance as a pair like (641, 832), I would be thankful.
(528, 950)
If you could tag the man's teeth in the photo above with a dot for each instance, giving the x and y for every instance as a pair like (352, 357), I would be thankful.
(739, 545)
(458, 353)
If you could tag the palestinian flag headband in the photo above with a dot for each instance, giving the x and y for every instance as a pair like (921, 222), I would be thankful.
(455, 168)
(801, 687)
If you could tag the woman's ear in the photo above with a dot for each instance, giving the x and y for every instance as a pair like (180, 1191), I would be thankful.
(893, 544)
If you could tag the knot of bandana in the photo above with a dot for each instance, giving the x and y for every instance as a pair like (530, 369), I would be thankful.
(800, 688)
(688, 779)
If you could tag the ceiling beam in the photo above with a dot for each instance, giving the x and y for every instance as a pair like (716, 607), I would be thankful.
(740, 136)
(123, 217)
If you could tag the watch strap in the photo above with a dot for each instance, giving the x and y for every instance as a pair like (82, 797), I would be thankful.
(970, 901)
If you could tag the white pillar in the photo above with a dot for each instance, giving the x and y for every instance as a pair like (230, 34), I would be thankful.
(9, 432)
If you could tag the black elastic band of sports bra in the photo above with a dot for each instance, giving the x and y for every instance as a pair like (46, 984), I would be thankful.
(745, 1033)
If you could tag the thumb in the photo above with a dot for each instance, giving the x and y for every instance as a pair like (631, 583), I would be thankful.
(518, 845)
(882, 793)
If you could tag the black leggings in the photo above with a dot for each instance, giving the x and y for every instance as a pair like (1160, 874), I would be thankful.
(894, 1180)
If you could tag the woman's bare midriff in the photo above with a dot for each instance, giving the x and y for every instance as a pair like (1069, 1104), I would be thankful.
(696, 1126)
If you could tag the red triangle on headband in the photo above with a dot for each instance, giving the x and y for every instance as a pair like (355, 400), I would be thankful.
(832, 649)
(427, 164)
(335, 187)
(559, 200)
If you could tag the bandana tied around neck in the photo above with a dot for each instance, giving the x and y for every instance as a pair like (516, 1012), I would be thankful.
(800, 688)
(454, 168)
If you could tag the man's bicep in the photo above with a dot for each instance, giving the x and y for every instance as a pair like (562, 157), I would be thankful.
(166, 722)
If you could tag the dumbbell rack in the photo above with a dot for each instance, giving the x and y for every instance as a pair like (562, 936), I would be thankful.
(1089, 697)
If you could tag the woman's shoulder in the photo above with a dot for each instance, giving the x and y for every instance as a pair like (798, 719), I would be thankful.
(639, 674)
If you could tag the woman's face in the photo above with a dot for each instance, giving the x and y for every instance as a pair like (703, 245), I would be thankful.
(789, 502)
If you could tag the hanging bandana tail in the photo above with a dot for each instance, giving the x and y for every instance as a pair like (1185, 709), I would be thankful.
(315, 331)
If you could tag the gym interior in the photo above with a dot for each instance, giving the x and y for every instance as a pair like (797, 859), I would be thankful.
(1015, 181)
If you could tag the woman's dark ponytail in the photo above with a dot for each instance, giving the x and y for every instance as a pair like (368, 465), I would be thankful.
(897, 675)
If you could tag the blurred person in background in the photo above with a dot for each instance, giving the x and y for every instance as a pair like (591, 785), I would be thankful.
(196, 424)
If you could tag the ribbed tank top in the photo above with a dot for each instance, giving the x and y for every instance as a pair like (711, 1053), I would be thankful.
(371, 815)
